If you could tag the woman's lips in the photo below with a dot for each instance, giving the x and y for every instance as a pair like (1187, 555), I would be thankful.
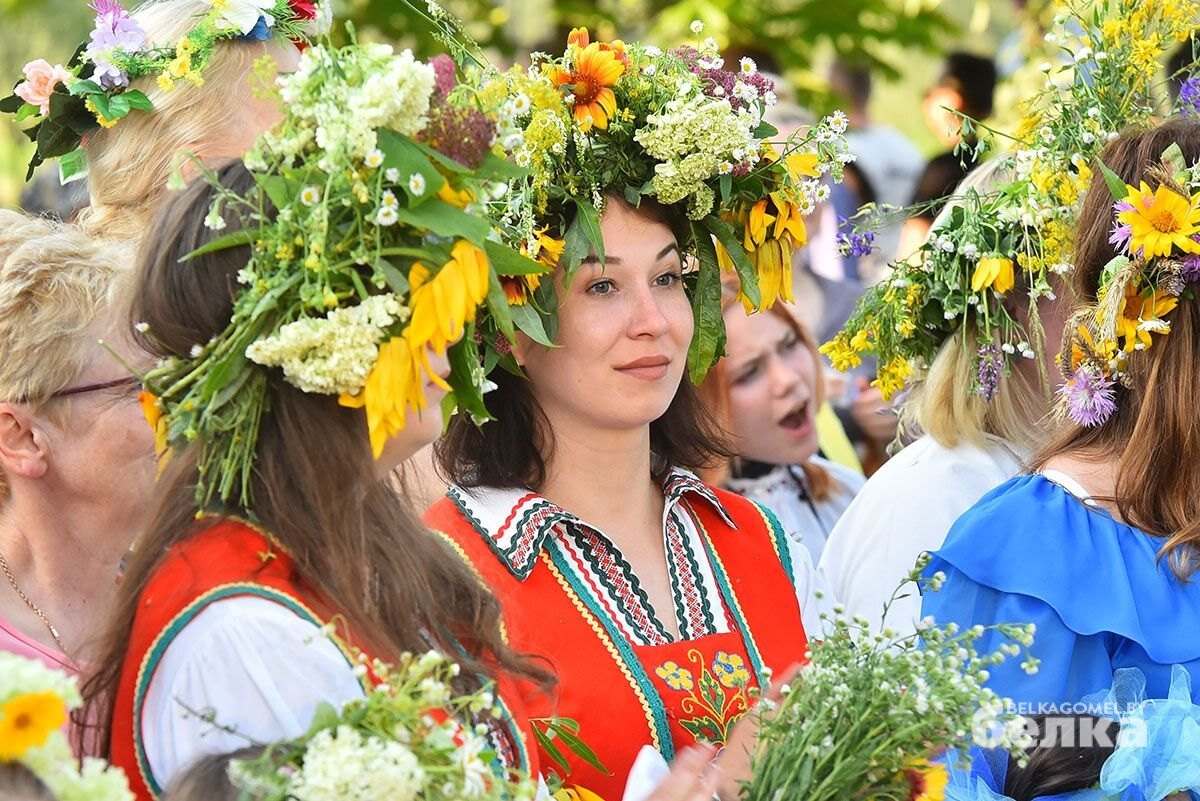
(647, 368)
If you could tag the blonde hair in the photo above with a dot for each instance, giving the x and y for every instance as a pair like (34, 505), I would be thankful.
(942, 403)
(53, 281)
(129, 165)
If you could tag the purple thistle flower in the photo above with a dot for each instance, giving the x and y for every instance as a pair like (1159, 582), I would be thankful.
(1191, 268)
(115, 29)
(1090, 398)
(443, 70)
(1189, 95)
(991, 360)
(463, 134)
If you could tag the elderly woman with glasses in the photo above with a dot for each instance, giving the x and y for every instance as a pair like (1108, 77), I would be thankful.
(76, 454)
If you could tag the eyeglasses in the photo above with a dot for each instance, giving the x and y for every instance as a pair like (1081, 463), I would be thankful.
(127, 381)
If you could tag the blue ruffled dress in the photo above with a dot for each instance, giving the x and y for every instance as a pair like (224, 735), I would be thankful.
(1030, 552)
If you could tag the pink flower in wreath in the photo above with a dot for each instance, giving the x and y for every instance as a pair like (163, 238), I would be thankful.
(40, 80)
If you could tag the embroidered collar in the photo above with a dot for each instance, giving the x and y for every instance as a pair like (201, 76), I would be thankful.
(516, 522)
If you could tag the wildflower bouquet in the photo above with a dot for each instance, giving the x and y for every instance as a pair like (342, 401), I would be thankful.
(611, 119)
(34, 703)
(368, 255)
(94, 91)
(1157, 264)
(868, 712)
(405, 740)
(1014, 232)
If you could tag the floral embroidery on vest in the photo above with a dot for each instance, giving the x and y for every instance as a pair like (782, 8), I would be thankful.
(716, 697)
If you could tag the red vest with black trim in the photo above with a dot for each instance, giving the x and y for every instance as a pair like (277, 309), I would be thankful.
(229, 559)
(625, 695)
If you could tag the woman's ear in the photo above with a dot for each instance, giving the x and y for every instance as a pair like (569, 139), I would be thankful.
(23, 450)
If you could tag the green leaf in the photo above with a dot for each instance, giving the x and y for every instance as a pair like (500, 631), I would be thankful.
(1173, 158)
(1116, 186)
(746, 273)
(410, 159)
(464, 361)
(441, 158)
(12, 104)
(506, 261)
(726, 183)
(765, 130)
(72, 164)
(530, 322)
(138, 101)
(231, 240)
(27, 110)
(494, 168)
(280, 190)
(708, 343)
(498, 305)
(102, 103)
(396, 280)
(444, 219)
(551, 749)
(577, 746)
(324, 717)
(583, 238)
(83, 88)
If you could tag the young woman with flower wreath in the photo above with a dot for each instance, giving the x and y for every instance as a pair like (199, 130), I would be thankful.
(169, 78)
(1099, 547)
(660, 603)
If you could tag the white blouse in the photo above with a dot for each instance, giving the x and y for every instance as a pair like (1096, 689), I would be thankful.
(905, 509)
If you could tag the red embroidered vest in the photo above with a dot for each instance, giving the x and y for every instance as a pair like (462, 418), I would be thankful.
(625, 695)
(227, 560)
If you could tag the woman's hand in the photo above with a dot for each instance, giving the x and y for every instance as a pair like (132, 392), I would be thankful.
(693, 776)
(735, 759)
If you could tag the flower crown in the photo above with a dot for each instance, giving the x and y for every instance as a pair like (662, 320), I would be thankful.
(1157, 236)
(1019, 232)
(92, 91)
(375, 257)
(632, 121)
(35, 701)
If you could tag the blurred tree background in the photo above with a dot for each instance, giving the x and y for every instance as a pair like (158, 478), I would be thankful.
(902, 40)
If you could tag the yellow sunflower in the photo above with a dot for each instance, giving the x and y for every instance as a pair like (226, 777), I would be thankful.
(1161, 221)
(27, 721)
(1139, 315)
(442, 306)
(926, 781)
(596, 69)
(393, 385)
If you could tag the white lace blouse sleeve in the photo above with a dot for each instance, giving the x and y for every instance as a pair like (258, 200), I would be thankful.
(809, 583)
(256, 667)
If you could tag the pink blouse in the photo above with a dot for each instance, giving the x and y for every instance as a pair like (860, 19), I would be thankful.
(14, 642)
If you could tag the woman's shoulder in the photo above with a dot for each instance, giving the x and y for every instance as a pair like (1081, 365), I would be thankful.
(1031, 537)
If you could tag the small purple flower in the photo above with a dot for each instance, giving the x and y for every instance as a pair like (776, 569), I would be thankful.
(463, 134)
(1091, 398)
(1191, 268)
(1121, 233)
(443, 71)
(115, 29)
(720, 83)
(854, 243)
(1189, 95)
(991, 362)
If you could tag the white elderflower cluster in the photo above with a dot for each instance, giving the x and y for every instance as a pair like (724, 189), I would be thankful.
(692, 139)
(331, 355)
(340, 109)
(342, 765)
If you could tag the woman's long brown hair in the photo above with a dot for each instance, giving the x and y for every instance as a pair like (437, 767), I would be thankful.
(1154, 436)
(315, 489)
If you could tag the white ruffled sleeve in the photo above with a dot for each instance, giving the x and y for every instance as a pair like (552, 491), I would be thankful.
(256, 666)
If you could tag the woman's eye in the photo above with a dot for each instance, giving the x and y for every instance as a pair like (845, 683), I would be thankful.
(602, 287)
(789, 344)
(668, 279)
(745, 376)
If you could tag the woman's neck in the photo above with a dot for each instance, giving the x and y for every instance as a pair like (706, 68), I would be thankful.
(66, 564)
(603, 477)
(1097, 476)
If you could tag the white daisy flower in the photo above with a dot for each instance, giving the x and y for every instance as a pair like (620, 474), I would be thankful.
(392, 174)
(389, 200)
(697, 26)
(374, 158)
(387, 216)
(838, 121)
(748, 65)
(416, 184)
(310, 196)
